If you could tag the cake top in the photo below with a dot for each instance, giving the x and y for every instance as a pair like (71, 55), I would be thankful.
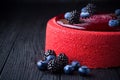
(88, 18)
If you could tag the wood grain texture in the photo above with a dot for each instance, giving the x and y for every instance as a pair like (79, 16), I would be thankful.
(22, 42)
(7, 39)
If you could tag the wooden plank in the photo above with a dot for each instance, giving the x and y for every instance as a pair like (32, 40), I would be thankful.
(21, 61)
(118, 71)
(96, 74)
(104, 74)
(6, 41)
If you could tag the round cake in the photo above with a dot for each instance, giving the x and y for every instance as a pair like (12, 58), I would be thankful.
(92, 41)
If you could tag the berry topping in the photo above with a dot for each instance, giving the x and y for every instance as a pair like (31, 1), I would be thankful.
(42, 65)
(91, 8)
(114, 23)
(84, 70)
(117, 12)
(68, 69)
(49, 52)
(73, 17)
(88, 11)
(75, 64)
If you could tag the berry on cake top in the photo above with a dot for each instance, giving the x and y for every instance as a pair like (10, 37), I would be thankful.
(88, 19)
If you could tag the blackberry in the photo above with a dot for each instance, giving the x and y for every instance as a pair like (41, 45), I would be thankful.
(57, 65)
(62, 59)
(75, 16)
(91, 8)
(49, 52)
(53, 66)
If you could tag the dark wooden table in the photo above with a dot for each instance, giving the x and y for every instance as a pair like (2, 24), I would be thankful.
(22, 41)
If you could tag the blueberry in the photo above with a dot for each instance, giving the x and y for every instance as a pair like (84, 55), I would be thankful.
(84, 14)
(68, 69)
(113, 23)
(75, 64)
(42, 65)
(68, 15)
(117, 12)
(84, 70)
(84, 9)
(50, 57)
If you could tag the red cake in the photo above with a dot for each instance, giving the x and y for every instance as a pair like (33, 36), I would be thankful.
(91, 42)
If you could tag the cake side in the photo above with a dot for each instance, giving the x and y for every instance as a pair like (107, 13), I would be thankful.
(91, 48)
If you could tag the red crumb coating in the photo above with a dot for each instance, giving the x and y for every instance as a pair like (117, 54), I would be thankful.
(95, 49)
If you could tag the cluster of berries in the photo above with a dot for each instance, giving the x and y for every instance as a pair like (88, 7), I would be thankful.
(115, 22)
(74, 16)
(58, 64)
(52, 63)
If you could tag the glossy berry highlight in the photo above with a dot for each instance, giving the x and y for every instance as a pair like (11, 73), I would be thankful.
(84, 14)
(68, 69)
(68, 15)
(75, 64)
(42, 65)
(50, 57)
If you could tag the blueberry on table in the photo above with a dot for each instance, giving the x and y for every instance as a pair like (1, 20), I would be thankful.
(75, 64)
(68, 69)
(42, 65)
(117, 12)
(113, 23)
(50, 57)
(84, 70)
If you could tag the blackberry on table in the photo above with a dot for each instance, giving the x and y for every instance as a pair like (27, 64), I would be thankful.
(49, 52)
(53, 66)
(62, 59)
(75, 16)
(57, 65)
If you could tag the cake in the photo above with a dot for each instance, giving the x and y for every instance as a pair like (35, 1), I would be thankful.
(93, 41)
